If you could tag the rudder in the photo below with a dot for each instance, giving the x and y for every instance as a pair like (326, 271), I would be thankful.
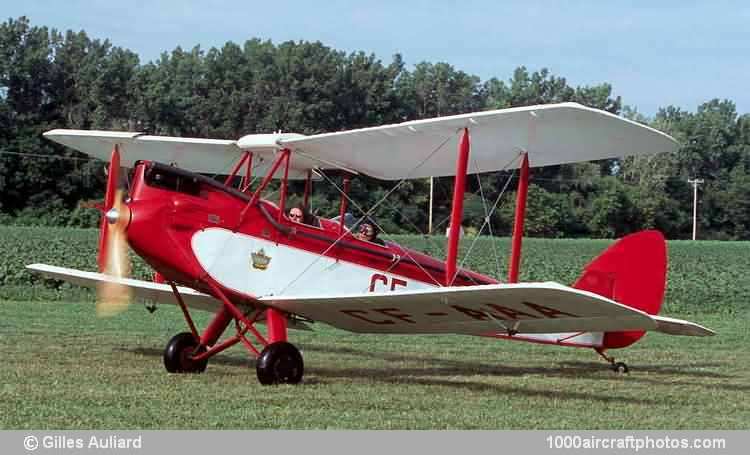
(632, 272)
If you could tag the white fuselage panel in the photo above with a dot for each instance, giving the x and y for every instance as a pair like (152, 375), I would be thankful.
(263, 268)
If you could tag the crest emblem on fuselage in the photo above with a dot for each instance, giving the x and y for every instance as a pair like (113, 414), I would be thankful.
(260, 260)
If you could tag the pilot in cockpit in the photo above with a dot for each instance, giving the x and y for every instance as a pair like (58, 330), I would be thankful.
(369, 233)
(298, 214)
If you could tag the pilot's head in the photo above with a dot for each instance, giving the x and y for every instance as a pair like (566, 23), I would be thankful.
(367, 231)
(295, 214)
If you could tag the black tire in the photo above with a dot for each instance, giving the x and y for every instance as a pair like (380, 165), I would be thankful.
(280, 363)
(177, 355)
(620, 367)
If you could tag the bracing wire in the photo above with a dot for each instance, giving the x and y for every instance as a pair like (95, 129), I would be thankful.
(384, 233)
(366, 213)
(489, 216)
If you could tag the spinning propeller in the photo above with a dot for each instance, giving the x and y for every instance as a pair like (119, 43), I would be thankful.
(113, 259)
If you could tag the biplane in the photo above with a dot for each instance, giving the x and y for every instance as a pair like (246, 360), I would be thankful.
(220, 246)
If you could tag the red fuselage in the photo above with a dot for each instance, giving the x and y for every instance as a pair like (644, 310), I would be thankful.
(169, 205)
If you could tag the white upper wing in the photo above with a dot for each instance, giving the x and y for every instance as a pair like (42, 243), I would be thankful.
(208, 156)
(551, 134)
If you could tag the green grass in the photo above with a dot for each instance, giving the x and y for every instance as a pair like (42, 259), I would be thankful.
(65, 368)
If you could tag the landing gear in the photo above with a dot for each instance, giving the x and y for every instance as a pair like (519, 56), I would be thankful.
(617, 367)
(280, 363)
(178, 355)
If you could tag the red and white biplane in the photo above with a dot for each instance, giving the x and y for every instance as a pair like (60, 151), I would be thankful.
(222, 248)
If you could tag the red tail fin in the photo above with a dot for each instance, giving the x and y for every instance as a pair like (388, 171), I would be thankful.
(632, 272)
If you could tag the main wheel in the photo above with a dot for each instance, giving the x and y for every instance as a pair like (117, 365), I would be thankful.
(280, 363)
(178, 355)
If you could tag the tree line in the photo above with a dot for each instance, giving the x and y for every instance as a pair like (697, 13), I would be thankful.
(50, 79)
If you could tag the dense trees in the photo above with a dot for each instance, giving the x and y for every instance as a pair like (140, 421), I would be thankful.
(50, 79)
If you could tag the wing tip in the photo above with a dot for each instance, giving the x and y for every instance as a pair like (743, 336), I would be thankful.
(105, 134)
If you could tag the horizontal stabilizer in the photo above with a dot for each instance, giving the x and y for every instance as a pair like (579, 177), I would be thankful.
(673, 326)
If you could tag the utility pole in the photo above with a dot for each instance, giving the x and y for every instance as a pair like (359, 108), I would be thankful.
(429, 219)
(695, 183)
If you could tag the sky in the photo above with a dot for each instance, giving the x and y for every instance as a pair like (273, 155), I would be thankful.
(654, 53)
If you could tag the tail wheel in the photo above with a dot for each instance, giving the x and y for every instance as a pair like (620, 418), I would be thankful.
(617, 367)
(179, 352)
(280, 363)
(620, 367)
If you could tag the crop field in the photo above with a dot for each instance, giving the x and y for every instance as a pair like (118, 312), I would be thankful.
(65, 368)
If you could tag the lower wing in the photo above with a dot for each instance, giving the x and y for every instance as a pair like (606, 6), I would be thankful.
(473, 310)
(479, 310)
(157, 292)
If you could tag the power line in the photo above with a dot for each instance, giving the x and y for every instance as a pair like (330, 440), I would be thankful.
(52, 157)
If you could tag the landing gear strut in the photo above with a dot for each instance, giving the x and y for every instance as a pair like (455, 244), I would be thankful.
(617, 367)
(279, 362)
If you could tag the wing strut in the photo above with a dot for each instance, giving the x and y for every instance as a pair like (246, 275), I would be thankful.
(247, 179)
(520, 217)
(284, 187)
(308, 190)
(342, 207)
(283, 156)
(237, 166)
(457, 209)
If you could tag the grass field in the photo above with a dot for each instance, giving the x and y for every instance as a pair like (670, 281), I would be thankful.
(64, 368)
